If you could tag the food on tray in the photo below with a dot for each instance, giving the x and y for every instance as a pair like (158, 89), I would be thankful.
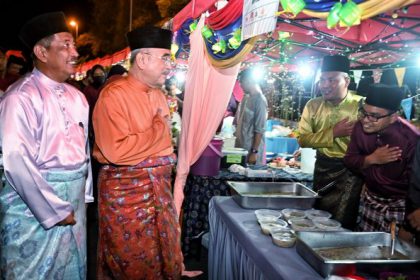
(359, 253)
(279, 162)
(271, 193)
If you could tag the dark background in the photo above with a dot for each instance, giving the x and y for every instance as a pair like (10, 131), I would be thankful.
(14, 13)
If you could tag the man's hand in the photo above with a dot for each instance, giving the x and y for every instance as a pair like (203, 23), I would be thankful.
(69, 220)
(252, 158)
(414, 219)
(383, 155)
(343, 128)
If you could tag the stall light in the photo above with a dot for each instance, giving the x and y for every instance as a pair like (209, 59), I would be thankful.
(304, 71)
(180, 77)
(258, 73)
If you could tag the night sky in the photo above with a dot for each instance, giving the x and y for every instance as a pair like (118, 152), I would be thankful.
(14, 13)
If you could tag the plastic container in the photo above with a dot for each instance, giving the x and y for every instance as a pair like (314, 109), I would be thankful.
(283, 237)
(314, 214)
(289, 213)
(328, 224)
(234, 156)
(267, 228)
(302, 224)
(265, 212)
(209, 162)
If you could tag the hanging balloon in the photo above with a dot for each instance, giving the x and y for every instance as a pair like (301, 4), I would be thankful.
(206, 32)
(174, 50)
(292, 6)
(283, 35)
(333, 17)
(235, 41)
(350, 14)
(193, 26)
(219, 46)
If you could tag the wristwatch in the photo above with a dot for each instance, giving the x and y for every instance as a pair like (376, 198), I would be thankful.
(254, 151)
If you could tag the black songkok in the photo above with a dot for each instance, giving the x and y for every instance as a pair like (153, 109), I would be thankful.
(149, 37)
(335, 63)
(384, 96)
(43, 26)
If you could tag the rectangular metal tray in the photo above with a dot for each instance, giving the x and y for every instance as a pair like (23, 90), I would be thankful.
(272, 195)
(309, 243)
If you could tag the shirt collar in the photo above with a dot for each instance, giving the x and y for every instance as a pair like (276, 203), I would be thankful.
(45, 80)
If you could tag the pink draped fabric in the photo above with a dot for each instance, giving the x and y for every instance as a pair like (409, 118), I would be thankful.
(207, 93)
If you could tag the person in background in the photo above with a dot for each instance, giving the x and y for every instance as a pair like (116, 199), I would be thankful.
(2, 67)
(171, 86)
(43, 132)
(139, 234)
(92, 90)
(251, 118)
(326, 125)
(115, 72)
(14, 67)
(382, 149)
(412, 222)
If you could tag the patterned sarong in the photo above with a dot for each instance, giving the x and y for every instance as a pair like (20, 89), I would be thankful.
(139, 234)
(27, 250)
(342, 198)
(378, 212)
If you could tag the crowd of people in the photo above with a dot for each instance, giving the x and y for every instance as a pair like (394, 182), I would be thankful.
(109, 137)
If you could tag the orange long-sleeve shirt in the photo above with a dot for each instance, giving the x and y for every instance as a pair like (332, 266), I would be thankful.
(130, 123)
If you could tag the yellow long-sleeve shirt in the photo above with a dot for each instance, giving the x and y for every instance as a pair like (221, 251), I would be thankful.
(317, 122)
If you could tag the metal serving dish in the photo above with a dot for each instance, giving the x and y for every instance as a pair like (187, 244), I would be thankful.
(344, 253)
(272, 195)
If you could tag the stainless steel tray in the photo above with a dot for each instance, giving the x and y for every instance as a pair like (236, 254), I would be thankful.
(272, 195)
(367, 253)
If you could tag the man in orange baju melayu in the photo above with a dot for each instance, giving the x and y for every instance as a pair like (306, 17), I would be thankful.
(139, 235)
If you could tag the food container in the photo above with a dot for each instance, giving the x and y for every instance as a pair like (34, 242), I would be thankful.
(233, 156)
(272, 195)
(302, 224)
(268, 227)
(283, 237)
(355, 253)
(293, 213)
(267, 214)
(317, 214)
(326, 224)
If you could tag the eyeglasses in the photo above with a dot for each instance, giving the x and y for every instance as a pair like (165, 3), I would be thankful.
(166, 59)
(371, 117)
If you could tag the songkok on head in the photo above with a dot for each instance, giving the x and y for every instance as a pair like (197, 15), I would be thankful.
(384, 96)
(335, 63)
(43, 26)
(149, 37)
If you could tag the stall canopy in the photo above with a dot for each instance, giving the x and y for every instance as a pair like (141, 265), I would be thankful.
(389, 39)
